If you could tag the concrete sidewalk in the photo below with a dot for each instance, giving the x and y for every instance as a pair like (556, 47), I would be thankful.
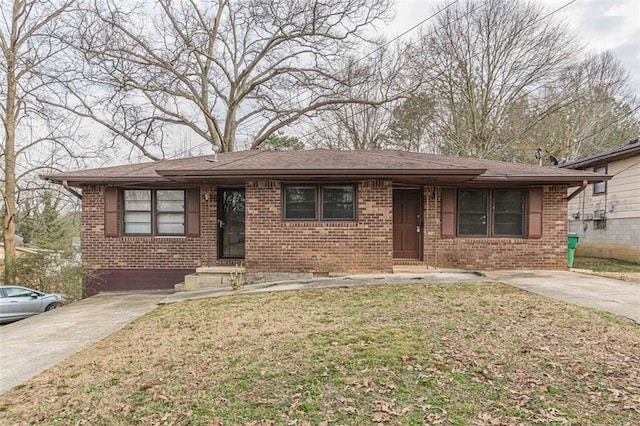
(30, 346)
(590, 291)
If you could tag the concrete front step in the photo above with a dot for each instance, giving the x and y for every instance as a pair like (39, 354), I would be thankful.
(212, 277)
(412, 268)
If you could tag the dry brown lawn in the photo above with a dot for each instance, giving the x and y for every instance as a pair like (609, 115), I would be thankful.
(467, 354)
(610, 268)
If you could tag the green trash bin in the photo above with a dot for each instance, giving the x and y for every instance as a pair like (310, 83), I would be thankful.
(572, 243)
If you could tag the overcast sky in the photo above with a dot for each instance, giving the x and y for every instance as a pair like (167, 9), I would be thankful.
(601, 24)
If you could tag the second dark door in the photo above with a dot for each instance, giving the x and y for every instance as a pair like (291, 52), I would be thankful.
(406, 223)
(231, 223)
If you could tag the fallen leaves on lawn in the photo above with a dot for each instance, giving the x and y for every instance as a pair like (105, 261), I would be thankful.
(481, 354)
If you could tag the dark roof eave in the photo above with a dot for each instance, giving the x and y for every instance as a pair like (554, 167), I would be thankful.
(77, 181)
(570, 179)
(287, 173)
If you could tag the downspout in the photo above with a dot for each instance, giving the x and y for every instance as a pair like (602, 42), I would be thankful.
(577, 191)
(66, 186)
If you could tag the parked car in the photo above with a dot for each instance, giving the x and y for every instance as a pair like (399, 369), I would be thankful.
(18, 302)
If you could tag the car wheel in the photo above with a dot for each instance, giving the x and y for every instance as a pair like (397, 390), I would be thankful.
(51, 307)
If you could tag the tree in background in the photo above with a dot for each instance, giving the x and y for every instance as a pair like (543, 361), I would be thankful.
(379, 76)
(411, 126)
(478, 63)
(50, 227)
(215, 68)
(44, 225)
(282, 142)
(601, 115)
(34, 137)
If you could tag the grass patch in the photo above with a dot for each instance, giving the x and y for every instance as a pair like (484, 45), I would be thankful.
(451, 354)
(606, 265)
(611, 268)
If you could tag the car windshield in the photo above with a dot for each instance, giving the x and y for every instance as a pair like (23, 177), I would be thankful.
(19, 292)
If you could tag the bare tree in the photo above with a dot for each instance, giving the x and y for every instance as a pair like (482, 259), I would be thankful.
(480, 61)
(34, 137)
(412, 125)
(601, 115)
(380, 77)
(215, 68)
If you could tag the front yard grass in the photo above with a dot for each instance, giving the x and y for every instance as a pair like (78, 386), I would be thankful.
(606, 265)
(477, 354)
(610, 268)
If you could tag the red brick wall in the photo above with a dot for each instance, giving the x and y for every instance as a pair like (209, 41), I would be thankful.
(142, 252)
(273, 245)
(548, 252)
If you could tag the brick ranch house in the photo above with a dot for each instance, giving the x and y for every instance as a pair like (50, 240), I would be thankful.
(145, 226)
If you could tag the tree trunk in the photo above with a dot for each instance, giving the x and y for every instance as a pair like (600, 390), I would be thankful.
(9, 216)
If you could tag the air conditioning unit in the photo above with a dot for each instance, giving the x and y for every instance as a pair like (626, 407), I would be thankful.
(588, 216)
(599, 214)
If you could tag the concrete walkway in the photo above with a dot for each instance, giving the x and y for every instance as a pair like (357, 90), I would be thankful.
(590, 291)
(30, 346)
(364, 280)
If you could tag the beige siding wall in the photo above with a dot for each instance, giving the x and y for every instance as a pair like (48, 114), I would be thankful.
(623, 192)
(619, 236)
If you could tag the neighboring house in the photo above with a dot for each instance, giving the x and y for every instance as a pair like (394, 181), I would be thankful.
(606, 216)
(318, 211)
(52, 258)
(19, 251)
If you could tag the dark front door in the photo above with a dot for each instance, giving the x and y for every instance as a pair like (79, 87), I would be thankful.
(406, 223)
(231, 223)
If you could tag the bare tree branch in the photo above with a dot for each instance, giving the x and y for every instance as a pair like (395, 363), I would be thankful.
(211, 67)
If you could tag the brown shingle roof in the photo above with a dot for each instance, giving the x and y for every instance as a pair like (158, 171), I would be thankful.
(324, 163)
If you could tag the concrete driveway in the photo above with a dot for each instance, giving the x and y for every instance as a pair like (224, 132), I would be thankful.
(590, 291)
(30, 346)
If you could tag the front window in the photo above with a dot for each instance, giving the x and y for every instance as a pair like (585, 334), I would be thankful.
(154, 212)
(508, 213)
(137, 212)
(600, 187)
(324, 202)
(490, 213)
(472, 213)
(300, 202)
(338, 202)
(170, 212)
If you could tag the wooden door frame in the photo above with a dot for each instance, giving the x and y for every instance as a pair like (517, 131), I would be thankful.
(219, 214)
(420, 198)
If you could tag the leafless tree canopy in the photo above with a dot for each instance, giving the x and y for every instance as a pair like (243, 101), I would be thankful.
(34, 136)
(506, 77)
(481, 61)
(380, 77)
(218, 68)
(600, 115)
